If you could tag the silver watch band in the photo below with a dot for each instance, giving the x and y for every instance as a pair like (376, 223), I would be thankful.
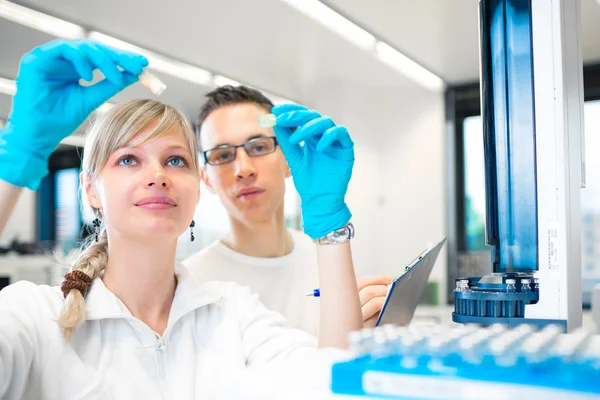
(342, 235)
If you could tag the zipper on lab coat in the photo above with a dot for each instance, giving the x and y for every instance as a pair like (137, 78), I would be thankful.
(162, 372)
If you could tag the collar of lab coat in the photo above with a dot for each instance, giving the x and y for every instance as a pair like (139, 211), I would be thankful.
(190, 295)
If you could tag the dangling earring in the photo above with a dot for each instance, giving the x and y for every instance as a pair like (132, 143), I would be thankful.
(96, 223)
(192, 225)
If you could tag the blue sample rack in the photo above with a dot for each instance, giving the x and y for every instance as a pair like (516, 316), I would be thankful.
(471, 362)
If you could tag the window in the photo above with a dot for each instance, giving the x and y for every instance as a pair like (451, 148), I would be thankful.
(59, 219)
(590, 201)
(66, 209)
(474, 179)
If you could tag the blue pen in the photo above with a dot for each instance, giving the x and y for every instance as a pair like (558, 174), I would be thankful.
(317, 292)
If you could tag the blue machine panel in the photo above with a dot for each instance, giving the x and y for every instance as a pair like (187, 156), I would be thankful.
(509, 134)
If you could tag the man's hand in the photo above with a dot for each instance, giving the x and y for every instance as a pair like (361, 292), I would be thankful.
(372, 291)
(321, 168)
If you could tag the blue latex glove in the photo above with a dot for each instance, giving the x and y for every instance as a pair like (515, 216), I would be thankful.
(321, 169)
(50, 103)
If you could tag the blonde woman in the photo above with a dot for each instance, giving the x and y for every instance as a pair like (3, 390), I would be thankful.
(128, 321)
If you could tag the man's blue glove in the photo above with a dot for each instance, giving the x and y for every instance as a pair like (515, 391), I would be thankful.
(50, 103)
(321, 168)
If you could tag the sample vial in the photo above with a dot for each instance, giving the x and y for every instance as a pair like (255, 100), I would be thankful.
(267, 121)
(536, 282)
(525, 285)
(536, 347)
(511, 286)
(354, 341)
(151, 81)
(570, 344)
(462, 285)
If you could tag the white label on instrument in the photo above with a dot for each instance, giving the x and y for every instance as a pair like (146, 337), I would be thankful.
(553, 245)
(447, 388)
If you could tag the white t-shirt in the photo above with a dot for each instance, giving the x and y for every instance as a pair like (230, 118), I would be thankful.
(281, 282)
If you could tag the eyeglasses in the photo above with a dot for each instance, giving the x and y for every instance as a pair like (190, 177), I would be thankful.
(224, 154)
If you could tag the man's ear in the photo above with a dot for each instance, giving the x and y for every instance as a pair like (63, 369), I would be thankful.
(90, 191)
(206, 180)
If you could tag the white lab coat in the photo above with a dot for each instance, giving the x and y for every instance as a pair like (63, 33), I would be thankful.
(214, 331)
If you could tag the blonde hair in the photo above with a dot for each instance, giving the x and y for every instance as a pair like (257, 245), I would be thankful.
(107, 134)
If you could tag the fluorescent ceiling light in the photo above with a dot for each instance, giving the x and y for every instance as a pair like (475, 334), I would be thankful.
(39, 21)
(158, 62)
(8, 86)
(220, 80)
(60, 28)
(335, 22)
(408, 67)
(363, 39)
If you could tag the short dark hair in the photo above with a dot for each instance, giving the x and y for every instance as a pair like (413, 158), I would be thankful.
(229, 95)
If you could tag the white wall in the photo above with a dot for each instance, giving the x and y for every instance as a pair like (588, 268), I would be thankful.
(413, 176)
(355, 107)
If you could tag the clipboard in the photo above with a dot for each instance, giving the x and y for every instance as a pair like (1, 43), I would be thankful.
(406, 290)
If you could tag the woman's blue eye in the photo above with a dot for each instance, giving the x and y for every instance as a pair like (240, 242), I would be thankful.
(177, 162)
(126, 161)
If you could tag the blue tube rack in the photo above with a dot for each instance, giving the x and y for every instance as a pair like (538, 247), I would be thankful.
(470, 362)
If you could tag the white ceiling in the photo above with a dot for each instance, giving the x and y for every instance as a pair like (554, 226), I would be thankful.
(268, 44)
(443, 35)
(262, 42)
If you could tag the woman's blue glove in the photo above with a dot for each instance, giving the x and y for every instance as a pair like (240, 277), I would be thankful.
(50, 103)
(321, 168)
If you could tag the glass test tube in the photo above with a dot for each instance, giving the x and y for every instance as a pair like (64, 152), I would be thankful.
(152, 82)
(267, 121)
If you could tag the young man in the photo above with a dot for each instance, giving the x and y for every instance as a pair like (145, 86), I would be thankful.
(246, 168)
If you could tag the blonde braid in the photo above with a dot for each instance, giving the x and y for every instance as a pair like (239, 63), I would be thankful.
(91, 261)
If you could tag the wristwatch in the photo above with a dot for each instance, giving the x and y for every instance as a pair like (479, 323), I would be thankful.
(338, 236)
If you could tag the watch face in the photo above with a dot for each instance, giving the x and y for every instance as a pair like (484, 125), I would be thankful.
(339, 236)
(336, 238)
(342, 234)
